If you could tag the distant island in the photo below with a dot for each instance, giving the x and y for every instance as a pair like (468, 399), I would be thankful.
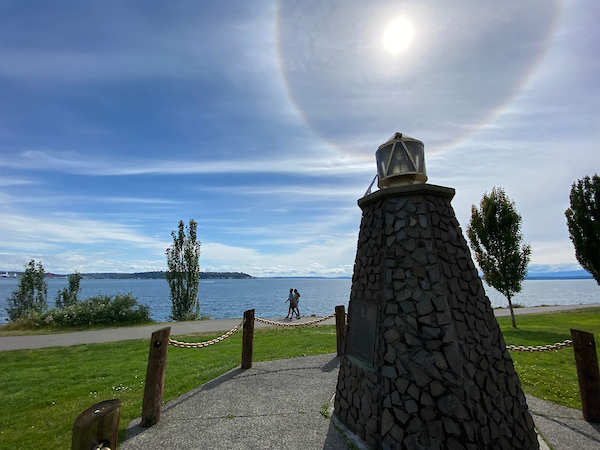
(163, 275)
(158, 275)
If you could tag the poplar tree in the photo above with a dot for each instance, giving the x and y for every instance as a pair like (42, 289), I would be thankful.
(184, 273)
(583, 220)
(68, 295)
(496, 239)
(30, 295)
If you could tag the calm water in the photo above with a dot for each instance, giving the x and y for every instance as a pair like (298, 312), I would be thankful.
(227, 299)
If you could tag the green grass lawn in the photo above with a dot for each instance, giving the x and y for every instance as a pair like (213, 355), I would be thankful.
(43, 391)
(550, 375)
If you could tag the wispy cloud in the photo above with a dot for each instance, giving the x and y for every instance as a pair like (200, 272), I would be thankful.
(333, 164)
(52, 230)
(8, 181)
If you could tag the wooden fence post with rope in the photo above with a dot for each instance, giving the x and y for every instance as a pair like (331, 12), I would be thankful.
(155, 377)
(247, 339)
(588, 375)
(340, 328)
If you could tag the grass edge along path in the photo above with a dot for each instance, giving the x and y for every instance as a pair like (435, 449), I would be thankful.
(43, 391)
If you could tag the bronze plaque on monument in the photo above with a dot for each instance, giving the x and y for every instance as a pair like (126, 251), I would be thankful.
(362, 331)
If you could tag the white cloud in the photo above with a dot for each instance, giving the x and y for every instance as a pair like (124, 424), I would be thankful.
(70, 162)
(10, 181)
(553, 253)
(330, 258)
(49, 230)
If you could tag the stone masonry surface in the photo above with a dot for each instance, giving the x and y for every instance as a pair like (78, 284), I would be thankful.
(441, 376)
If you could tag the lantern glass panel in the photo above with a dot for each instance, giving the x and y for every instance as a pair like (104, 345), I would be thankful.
(383, 158)
(401, 162)
(416, 151)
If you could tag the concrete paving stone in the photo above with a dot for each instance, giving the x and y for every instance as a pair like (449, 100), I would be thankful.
(275, 404)
(562, 427)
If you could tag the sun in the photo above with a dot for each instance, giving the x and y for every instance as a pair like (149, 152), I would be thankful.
(397, 36)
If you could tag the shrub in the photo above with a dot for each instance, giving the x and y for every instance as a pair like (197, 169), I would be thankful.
(100, 310)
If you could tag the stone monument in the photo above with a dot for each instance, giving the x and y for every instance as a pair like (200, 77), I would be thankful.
(425, 365)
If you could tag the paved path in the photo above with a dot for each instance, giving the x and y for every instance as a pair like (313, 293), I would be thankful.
(279, 405)
(130, 333)
(273, 405)
(181, 328)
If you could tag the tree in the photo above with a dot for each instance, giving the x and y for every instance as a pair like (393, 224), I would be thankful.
(496, 239)
(583, 220)
(68, 296)
(31, 293)
(183, 274)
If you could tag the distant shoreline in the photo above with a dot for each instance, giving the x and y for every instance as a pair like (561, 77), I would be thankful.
(160, 275)
(572, 277)
(157, 275)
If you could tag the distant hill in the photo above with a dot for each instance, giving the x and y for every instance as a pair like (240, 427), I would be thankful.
(538, 273)
(146, 275)
(163, 275)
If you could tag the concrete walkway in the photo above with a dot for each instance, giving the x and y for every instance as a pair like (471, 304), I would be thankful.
(181, 328)
(284, 405)
(273, 405)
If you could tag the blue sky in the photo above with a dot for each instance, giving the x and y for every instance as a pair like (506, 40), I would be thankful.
(260, 120)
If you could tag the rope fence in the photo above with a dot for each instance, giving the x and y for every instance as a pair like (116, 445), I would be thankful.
(540, 348)
(300, 324)
(180, 344)
(513, 348)
(160, 341)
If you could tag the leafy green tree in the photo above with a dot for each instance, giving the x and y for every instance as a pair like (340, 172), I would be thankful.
(183, 274)
(496, 239)
(68, 295)
(583, 220)
(30, 295)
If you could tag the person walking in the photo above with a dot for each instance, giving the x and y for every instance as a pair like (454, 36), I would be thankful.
(290, 299)
(296, 300)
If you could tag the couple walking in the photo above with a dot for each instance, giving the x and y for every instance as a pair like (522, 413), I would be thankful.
(293, 299)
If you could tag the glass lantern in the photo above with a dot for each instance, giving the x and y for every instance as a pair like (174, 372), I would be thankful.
(400, 161)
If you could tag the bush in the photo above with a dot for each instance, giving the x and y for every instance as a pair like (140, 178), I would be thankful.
(100, 310)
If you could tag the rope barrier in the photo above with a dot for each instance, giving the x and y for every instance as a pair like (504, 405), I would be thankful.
(175, 343)
(540, 348)
(514, 348)
(303, 324)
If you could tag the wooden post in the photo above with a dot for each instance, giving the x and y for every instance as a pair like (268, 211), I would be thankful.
(340, 328)
(588, 376)
(97, 425)
(155, 377)
(248, 339)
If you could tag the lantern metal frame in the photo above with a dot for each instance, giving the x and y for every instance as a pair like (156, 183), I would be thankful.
(389, 171)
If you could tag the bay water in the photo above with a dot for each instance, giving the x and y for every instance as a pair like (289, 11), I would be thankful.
(227, 299)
